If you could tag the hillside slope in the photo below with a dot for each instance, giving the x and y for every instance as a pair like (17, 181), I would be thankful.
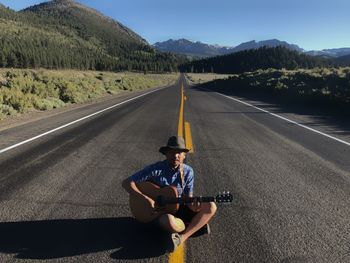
(65, 34)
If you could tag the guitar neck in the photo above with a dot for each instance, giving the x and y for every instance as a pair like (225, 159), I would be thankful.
(221, 198)
(188, 200)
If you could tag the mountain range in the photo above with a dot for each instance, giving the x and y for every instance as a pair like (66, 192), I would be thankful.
(201, 50)
(334, 52)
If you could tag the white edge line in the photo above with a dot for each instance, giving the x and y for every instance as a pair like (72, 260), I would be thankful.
(73, 122)
(283, 118)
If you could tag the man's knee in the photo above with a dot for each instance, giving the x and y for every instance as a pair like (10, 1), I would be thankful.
(209, 208)
(171, 223)
(212, 208)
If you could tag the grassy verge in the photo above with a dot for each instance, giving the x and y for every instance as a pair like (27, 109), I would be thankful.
(23, 90)
(322, 87)
(198, 78)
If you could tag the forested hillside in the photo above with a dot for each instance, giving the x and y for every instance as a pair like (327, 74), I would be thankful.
(65, 34)
(254, 59)
(343, 60)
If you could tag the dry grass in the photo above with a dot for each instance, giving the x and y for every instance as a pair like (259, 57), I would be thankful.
(22, 90)
(198, 78)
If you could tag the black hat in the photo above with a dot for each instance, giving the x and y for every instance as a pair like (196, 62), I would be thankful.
(174, 142)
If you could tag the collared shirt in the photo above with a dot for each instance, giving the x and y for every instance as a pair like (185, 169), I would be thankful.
(162, 174)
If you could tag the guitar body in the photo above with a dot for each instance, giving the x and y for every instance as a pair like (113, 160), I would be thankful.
(141, 208)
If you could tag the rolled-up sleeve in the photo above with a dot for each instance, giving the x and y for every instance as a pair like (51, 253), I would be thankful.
(142, 175)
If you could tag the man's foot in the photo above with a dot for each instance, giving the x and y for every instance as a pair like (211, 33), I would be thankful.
(202, 231)
(206, 229)
(175, 241)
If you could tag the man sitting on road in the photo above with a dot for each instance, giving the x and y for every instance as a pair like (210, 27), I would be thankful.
(172, 171)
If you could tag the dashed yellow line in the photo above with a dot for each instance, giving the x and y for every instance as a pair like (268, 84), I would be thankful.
(188, 137)
(178, 256)
(181, 116)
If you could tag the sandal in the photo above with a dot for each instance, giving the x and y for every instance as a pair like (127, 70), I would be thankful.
(175, 241)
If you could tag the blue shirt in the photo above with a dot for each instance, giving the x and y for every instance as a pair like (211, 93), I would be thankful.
(162, 174)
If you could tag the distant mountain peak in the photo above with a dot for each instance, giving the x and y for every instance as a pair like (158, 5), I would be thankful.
(64, 1)
(54, 4)
(187, 47)
(333, 52)
(268, 43)
(190, 48)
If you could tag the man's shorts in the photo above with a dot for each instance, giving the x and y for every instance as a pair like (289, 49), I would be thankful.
(185, 213)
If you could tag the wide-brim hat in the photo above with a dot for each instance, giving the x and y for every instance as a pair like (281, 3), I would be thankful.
(174, 143)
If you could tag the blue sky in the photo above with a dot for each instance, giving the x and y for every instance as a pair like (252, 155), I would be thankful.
(311, 24)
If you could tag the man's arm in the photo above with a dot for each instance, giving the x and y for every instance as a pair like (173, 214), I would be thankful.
(130, 186)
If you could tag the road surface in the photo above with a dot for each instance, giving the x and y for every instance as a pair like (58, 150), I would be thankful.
(61, 198)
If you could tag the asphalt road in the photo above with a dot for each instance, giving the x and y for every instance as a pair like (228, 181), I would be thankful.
(61, 198)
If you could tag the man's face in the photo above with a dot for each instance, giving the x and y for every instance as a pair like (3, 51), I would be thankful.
(175, 157)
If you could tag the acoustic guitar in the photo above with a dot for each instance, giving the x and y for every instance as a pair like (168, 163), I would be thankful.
(166, 200)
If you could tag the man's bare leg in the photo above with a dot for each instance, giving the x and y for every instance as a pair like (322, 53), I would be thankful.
(175, 225)
(203, 216)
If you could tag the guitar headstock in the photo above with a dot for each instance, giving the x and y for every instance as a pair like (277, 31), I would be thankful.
(225, 197)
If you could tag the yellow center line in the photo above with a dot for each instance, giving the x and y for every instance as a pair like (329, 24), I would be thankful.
(188, 137)
(181, 116)
(178, 256)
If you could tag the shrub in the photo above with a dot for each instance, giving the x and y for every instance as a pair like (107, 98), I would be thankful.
(6, 110)
(47, 104)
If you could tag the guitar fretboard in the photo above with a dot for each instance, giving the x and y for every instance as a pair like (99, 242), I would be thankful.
(187, 200)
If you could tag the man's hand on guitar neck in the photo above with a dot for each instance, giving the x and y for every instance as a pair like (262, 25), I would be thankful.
(195, 206)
